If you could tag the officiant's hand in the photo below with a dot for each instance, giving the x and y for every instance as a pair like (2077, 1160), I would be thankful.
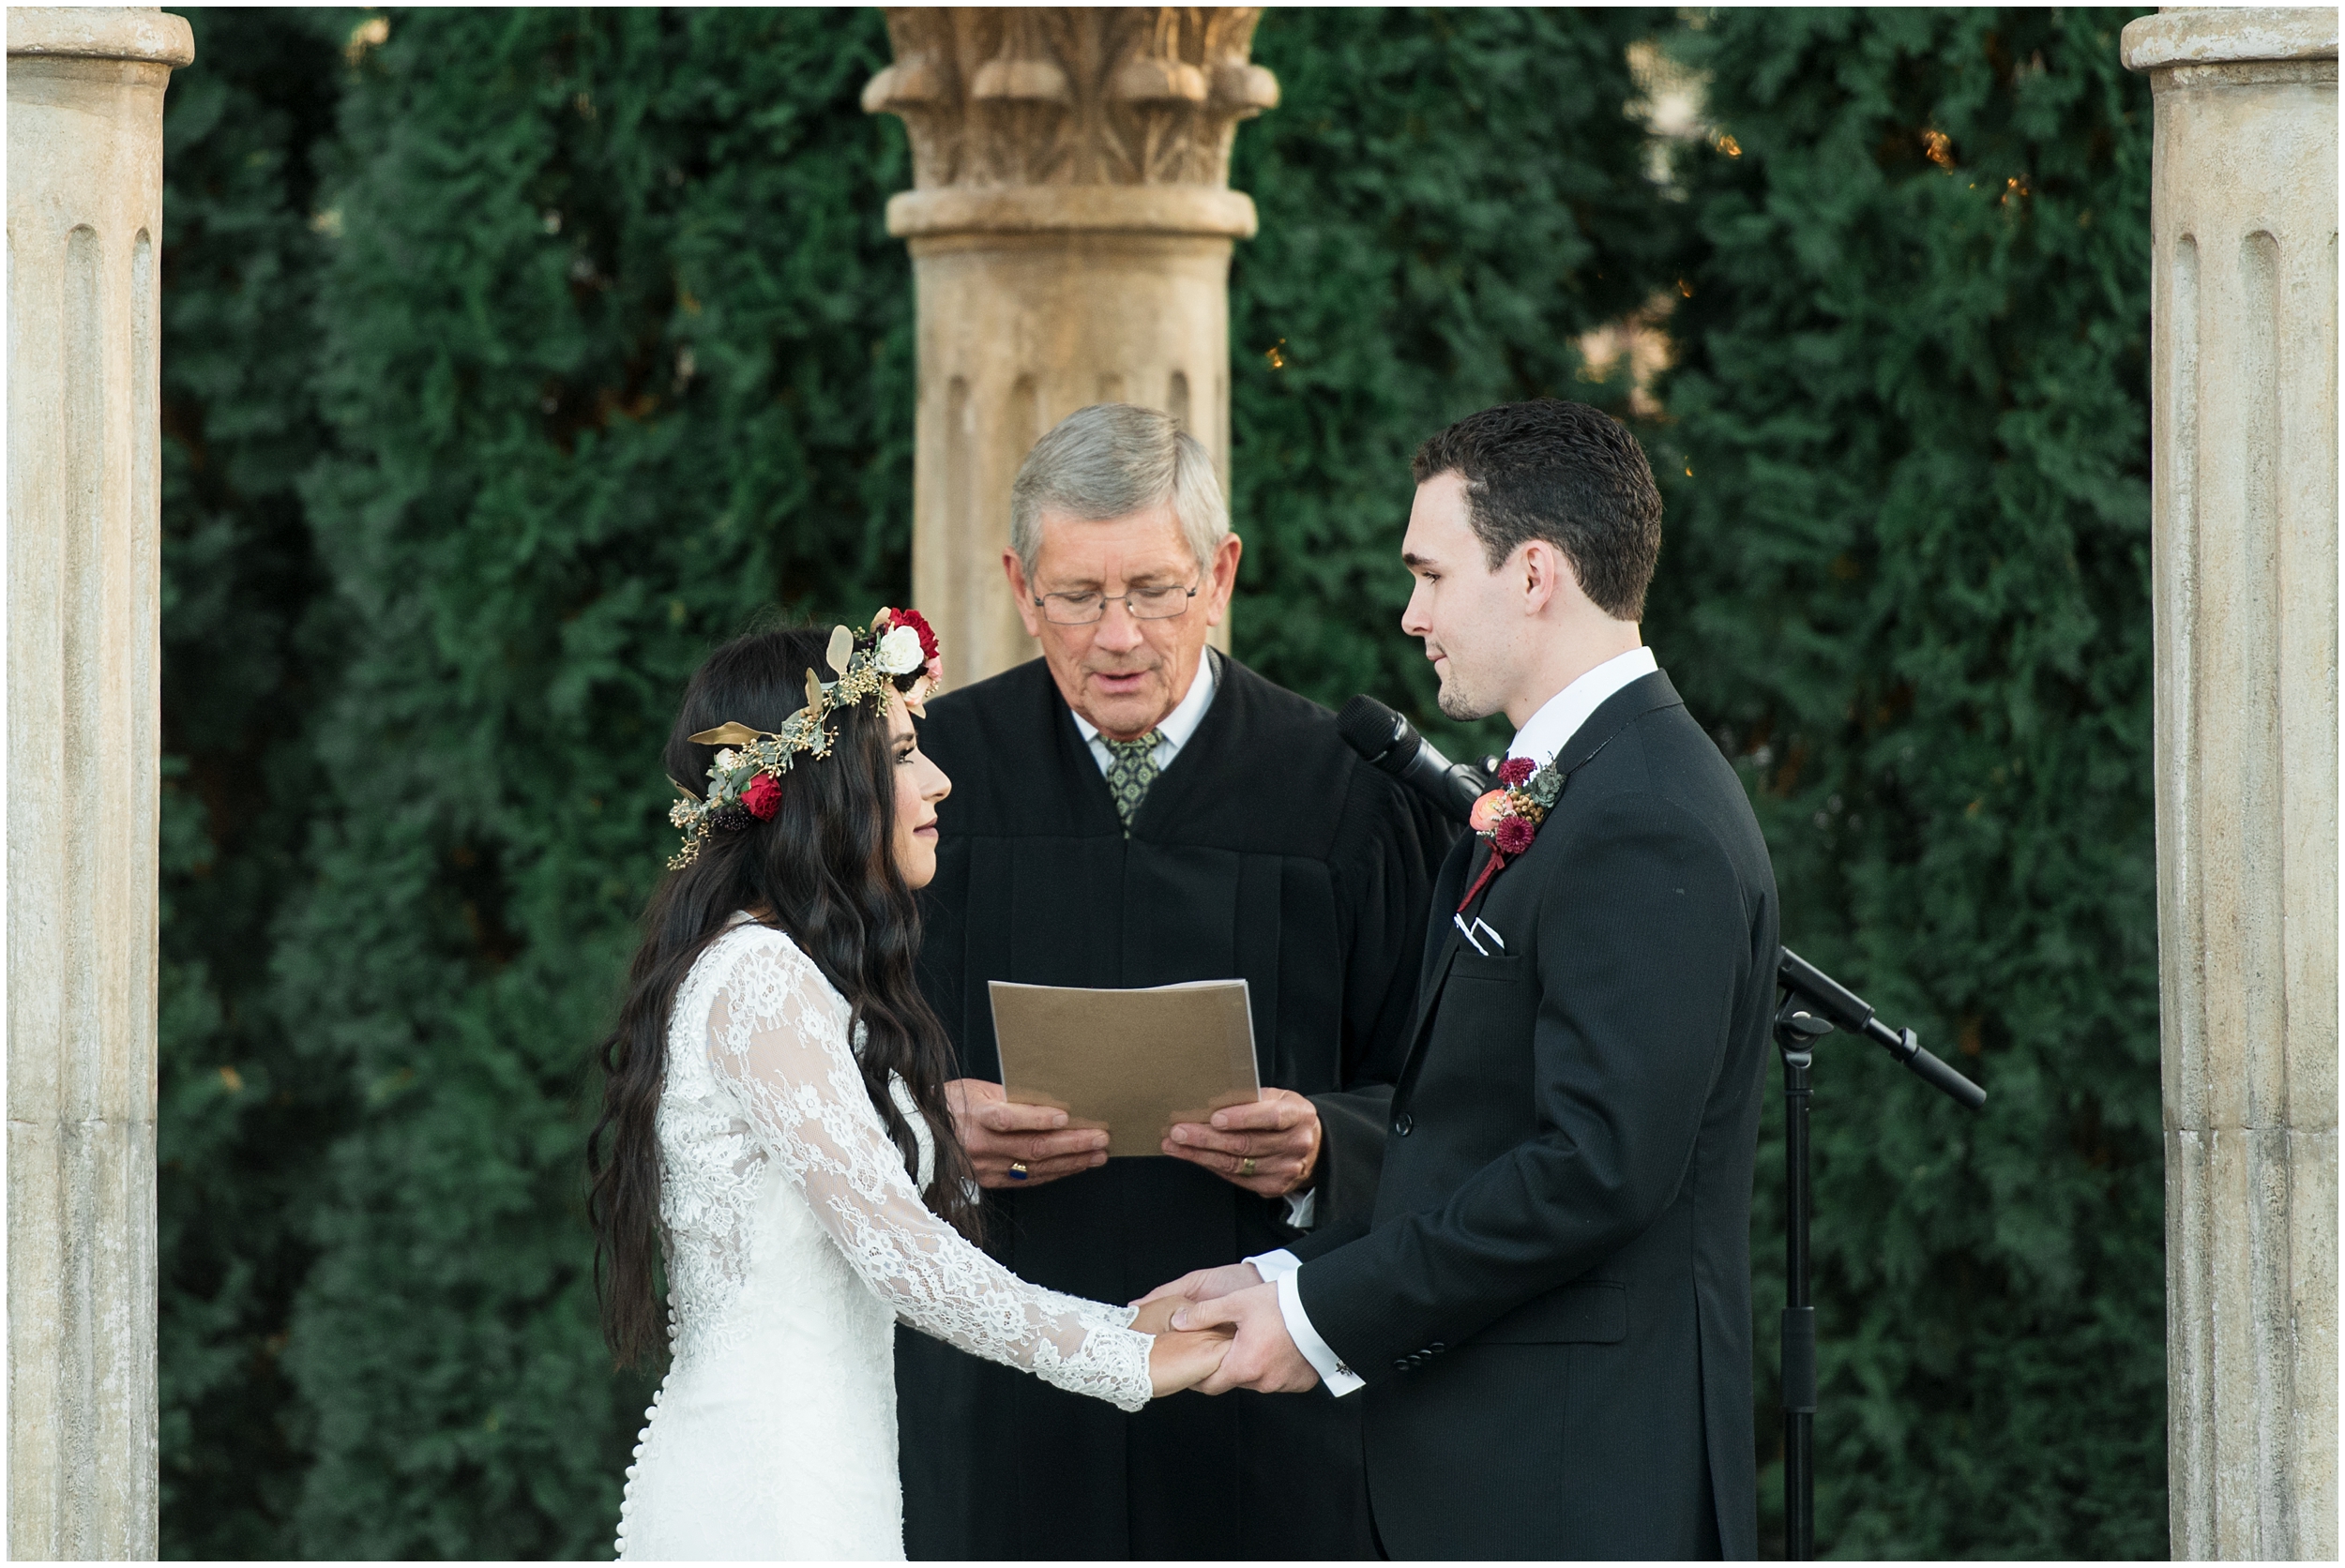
(1263, 1357)
(1270, 1147)
(1037, 1139)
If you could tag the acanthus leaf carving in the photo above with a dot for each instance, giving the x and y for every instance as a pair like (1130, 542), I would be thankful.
(1005, 97)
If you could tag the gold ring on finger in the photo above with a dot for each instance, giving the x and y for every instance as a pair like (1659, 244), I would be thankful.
(1246, 1166)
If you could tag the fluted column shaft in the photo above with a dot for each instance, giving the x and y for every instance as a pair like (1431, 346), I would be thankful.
(85, 101)
(1070, 232)
(2244, 581)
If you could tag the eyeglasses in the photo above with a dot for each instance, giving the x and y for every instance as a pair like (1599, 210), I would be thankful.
(1145, 604)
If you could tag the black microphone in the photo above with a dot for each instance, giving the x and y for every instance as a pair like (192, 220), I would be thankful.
(1390, 742)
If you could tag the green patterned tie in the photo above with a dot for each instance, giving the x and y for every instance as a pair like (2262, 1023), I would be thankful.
(1131, 768)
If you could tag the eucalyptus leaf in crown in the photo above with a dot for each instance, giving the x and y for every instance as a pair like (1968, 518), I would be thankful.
(744, 781)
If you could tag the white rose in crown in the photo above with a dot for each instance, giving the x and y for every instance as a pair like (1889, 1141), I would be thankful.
(900, 652)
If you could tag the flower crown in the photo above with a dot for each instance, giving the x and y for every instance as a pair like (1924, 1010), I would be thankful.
(744, 780)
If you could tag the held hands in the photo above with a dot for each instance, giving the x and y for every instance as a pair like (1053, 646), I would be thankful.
(1178, 1360)
(998, 1134)
(1230, 1300)
(1262, 1357)
(1270, 1147)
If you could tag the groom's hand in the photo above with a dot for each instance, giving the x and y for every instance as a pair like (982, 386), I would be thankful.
(1269, 1147)
(1203, 1285)
(1262, 1357)
(998, 1134)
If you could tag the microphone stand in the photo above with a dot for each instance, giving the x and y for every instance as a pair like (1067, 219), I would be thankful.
(1812, 1005)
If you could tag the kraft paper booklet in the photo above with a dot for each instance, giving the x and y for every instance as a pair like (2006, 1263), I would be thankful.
(1131, 1062)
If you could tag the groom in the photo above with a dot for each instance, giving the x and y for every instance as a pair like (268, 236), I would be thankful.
(1550, 1314)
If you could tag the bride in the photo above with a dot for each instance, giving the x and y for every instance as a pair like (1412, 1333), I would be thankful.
(774, 1124)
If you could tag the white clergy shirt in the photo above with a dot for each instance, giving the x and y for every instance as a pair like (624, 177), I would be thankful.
(1172, 732)
(1547, 732)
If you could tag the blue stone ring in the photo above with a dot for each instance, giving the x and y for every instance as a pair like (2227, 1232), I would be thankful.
(1017, 1170)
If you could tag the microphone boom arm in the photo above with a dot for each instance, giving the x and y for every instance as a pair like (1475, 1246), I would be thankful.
(1836, 1006)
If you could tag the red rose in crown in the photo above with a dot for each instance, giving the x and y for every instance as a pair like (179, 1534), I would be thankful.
(762, 797)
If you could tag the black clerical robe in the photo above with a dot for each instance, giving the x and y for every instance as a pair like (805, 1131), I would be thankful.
(1267, 851)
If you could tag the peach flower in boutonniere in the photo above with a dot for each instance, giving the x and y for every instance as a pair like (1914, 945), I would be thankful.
(1487, 811)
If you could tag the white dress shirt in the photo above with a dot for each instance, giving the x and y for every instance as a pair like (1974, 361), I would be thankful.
(1560, 717)
(1547, 732)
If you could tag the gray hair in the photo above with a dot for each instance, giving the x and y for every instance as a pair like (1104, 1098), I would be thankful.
(1111, 460)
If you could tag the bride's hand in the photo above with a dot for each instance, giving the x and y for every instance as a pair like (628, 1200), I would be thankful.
(1184, 1359)
(1156, 1316)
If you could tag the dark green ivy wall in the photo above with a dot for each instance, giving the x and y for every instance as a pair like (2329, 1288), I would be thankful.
(512, 357)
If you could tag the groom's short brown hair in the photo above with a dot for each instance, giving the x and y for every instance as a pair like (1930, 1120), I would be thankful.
(1565, 472)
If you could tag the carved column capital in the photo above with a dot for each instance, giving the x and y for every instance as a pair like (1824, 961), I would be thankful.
(1071, 118)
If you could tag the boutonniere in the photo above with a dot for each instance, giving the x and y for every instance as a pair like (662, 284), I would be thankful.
(1509, 816)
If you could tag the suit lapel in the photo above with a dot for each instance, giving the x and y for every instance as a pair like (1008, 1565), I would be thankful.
(1437, 973)
(1631, 703)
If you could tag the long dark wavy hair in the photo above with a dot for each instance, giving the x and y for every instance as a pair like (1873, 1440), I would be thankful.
(823, 870)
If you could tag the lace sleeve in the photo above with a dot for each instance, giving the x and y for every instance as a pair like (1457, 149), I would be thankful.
(778, 1043)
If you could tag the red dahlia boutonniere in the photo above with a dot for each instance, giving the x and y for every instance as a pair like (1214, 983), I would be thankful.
(1510, 816)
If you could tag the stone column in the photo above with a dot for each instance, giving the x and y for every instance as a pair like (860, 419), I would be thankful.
(1070, 227)
(2244, 582)
(86, 165)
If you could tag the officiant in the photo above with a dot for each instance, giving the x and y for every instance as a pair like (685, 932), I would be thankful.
(1134, 808)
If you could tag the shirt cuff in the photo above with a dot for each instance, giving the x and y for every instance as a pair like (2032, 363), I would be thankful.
(1283, 1269)
(1303, 1208)
(1276, 1265)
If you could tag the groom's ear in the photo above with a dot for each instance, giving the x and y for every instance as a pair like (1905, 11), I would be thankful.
(1550, 585)
(1545, 576)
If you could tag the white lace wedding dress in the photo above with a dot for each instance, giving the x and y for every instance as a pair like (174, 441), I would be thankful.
(795, 1242)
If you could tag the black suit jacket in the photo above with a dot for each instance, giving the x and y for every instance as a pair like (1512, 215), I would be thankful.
(1552, 1308)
